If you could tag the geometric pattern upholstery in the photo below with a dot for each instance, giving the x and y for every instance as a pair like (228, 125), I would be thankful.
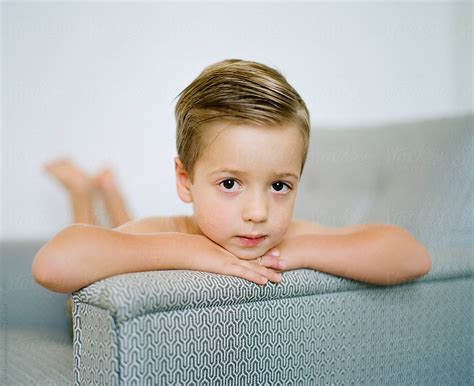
(415, 333)
(98, 353)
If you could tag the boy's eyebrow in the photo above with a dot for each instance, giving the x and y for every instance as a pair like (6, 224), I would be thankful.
(235, 171)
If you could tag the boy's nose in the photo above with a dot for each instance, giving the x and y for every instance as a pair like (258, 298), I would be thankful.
(255, 208)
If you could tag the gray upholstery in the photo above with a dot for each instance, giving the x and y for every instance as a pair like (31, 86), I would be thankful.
(35, 345)
(185, 327)
(36, 356)
(418, 176)
(194, 328)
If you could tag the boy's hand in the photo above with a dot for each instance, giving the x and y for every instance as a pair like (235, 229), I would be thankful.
(210, 257)
(271, 260)
(289, 253)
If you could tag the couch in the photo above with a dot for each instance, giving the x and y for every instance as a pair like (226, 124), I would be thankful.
(35, 344)
(187, 327)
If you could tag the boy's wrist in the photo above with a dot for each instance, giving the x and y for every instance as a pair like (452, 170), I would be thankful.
(294, 253)
(169, 250)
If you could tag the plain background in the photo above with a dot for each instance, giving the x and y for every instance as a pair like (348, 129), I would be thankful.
(97, 81)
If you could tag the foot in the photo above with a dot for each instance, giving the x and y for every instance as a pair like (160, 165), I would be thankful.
(71, 177)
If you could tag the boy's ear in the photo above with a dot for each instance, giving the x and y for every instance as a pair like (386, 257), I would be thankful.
(183, 183)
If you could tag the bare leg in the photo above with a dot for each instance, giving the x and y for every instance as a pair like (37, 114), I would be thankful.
(79, 186)
(113, 198)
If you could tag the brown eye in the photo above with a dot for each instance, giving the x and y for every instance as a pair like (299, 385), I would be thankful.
(228, 184)
(280, 187)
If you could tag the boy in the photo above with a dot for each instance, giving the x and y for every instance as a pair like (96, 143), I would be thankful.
(242, 140)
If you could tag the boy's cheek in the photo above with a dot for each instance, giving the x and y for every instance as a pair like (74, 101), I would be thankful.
(214, 222)
(281, 228)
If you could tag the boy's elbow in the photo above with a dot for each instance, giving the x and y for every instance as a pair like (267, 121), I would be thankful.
(418, 266)
(47, 264)
(419, 263)
(37, 270)
(44, 271)
(415, 264)
(425, 261)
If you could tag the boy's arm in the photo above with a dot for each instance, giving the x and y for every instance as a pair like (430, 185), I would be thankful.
(82, 254)
(374, 253)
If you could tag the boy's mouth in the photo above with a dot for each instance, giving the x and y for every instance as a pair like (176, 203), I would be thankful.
(251, 240)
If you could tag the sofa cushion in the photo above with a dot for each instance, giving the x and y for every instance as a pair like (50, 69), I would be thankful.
(29, 305)
(417, 175)
(36, 356)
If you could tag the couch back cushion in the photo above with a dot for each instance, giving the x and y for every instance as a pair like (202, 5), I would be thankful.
(416, 175)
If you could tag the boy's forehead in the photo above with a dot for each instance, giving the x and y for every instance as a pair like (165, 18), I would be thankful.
(248, 131)
(244, 147)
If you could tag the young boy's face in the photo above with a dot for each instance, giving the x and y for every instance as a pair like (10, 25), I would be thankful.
(245, 185)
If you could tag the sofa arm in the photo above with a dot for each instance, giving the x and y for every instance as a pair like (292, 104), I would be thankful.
(188, 327)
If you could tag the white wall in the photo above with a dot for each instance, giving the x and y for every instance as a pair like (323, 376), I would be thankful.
(96, 82)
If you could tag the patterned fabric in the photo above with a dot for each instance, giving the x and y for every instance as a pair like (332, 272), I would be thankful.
(96, 354)
(185, 327)
(129, 295)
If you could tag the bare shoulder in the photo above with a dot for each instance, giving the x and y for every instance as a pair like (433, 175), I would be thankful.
(156, 225)
(301, 227)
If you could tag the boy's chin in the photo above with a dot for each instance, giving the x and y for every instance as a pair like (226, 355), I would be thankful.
(247, 254)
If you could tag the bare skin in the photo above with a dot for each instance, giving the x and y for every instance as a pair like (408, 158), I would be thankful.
(381, 254)
(113, 199)
(82, 187)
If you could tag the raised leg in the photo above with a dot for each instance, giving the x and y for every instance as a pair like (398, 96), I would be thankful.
(113, 199)
(79, 186)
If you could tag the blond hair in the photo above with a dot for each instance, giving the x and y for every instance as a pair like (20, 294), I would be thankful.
(236, 90)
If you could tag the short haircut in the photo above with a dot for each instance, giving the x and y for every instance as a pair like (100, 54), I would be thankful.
(237, 91)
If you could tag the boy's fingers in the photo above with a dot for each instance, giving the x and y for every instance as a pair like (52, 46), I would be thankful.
(256, 274)
(249, 274)
(261, 270)
(271, 262)
(273, 252)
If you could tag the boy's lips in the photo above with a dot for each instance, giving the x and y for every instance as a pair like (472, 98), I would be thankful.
(251, 240)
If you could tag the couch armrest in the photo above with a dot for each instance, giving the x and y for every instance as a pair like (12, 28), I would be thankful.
(187, 327)
(130, 295)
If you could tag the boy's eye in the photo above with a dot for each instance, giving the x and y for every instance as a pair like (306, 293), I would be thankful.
(229, 185)
(280, 186)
